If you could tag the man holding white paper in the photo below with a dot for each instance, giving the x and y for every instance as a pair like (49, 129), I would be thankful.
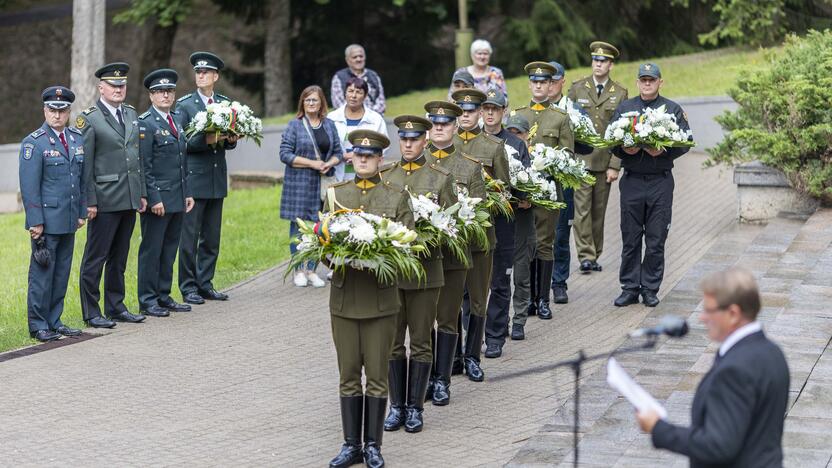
(740, 405)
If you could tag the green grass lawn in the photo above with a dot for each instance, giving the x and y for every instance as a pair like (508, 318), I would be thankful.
(701, 74)
(254, 238)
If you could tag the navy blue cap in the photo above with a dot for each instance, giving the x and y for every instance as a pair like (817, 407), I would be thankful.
(649, 69)
(464, 76)
(560, 71)
(518, 122)
(206, 60)
(57, 97)
(163, 78)
(496, 97)
(114, 73)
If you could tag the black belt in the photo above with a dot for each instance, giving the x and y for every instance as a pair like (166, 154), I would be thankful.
(646, 175)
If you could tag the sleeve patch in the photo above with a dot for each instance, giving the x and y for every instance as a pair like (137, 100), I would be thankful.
(80, 122)
(27, 151)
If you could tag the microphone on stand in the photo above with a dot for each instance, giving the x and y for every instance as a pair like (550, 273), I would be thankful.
(670, 325)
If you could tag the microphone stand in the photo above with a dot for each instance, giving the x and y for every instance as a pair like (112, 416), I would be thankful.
(576, 364)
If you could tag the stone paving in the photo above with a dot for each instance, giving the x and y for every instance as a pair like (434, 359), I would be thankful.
(253, 382)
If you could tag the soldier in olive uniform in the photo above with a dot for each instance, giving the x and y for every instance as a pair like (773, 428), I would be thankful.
(364, 310)
(162, 146)
(419, 299)
(199, 246)
(114, 180)
(550, 126)
(52, 190)
(491, 154)
(599, 95)
(467, 174)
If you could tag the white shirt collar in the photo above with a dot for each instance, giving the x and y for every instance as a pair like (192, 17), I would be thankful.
(163, 114)
(57, 133)
(112, 109)
(604, 84)
(204, 97)
(739, 334)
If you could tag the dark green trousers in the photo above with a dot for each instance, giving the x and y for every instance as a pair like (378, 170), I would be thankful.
(416, 316)
(363, 344)
(450, 300)
(478, 282)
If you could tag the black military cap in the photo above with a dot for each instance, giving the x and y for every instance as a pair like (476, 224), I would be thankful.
(464, 76)
(603, 51)
(442, 111)
(519, 122)
(495, 96)
(539, 71)
(57, 97)
(468, 98)
(412, 126)
(368, 142)
(114, 73)
(163, 78)
(206, 60)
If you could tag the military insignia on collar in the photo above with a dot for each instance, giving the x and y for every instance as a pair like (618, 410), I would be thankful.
(440, 111)
(467, 98)
(365, 141)
(80, 122)
(79, 151)
(27, 151)
(51, 140)
(408, 124)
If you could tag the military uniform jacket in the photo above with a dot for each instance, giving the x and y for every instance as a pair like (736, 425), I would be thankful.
(113, 174)
(549, 125)
(358, 294)
(164, 159)
(419, 177)
(207, 169)
(51, 181)
(466, 172)
(600, 110)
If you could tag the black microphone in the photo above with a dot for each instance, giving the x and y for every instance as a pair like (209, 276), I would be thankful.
(670, 325)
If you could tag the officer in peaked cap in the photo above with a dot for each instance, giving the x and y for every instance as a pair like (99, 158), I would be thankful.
(113, 73)
(52, 189)
(207, 61)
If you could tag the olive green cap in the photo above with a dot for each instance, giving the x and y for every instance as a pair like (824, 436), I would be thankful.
(603, 50)
(412, 126)
(540, 71)
(468, 98)
(368, 142)
(442, 111)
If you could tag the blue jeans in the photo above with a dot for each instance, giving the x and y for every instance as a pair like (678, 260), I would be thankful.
(561, 246)
(294, 232)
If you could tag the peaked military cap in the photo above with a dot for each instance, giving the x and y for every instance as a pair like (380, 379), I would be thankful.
(206, 60)
(518, 122)
(649, 69)
(442, 111)
(603, 51)
(495, 96)
(57, 97)
(368, 142)
(113, 73)
(464, 76)
(560, 71)
(468, 98)
(412, 126)
(540, 71)
(163, 78)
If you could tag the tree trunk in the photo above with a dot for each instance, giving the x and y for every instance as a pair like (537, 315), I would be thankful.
(277, 65)
(88, 21)
(156, 53)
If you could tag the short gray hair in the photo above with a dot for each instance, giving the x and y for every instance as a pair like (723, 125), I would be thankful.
(352, 47)
(735, 285)
(481, 44)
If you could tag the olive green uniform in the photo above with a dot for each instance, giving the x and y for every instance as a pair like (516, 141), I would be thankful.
(591, 200)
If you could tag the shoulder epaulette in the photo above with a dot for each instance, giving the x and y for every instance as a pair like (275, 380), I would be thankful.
(558, 109)
(492, 138)
(339, 184)
(471, 158)
(145, 115)
(389, 166)
(174, 112)
(89, 110)
(520, 108)
(128, 106)
(37, 133)
(185, 97)
(75, 130)
(221, 97)
(440, 169)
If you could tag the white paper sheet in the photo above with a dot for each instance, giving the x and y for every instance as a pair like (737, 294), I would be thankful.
(620, 380)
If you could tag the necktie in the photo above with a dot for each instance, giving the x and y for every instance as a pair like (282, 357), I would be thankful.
(210, 101)
(600, 88)
(118, 117)
(63, 142)
(172, 127)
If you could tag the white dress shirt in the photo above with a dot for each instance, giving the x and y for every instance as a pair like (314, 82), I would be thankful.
(739, 334)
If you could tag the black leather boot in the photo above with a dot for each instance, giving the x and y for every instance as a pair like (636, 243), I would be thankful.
(351, 413)
(533, 287)
(397, 381)
(373, 430)
(445, 350)
(432, 380)
(544, 279)
(457, 368)
(473, 348)
(417, 385)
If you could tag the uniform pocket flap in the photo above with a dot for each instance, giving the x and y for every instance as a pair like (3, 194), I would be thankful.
(196, 170)
(549, 132)
(107, 178)
(50, 202)
(162, 186)
(55, 161)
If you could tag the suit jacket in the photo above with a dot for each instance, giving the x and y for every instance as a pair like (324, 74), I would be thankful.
(113, 174)
(165, 161)
(738, 411)
(207, 169)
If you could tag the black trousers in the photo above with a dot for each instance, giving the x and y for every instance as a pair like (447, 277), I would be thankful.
(199, 246)
(646, 208)
(157, 252)
(47, 284)
(497, 314)
(107, 248)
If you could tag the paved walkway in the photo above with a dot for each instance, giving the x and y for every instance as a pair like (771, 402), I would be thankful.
(254, 382)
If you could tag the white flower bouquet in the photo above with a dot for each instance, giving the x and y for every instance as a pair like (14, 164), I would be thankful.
(498, 196)
(582, 126)
(472, 217)
(540, 191)
(227, 118)
(655, 128)
(362, 241)
(568, 171)
(437, 226)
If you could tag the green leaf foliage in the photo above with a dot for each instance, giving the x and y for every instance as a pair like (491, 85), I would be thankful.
(166, 12)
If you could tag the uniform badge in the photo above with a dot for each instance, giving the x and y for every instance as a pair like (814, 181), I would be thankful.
(583, 101)
(51, 140)
(365, 142)
(79, 151)
(467, 98)
(440, 111)
(408, 124)
(80, 122)
(27, 151)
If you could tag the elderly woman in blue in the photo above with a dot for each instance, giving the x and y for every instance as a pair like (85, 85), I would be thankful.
(310, 149)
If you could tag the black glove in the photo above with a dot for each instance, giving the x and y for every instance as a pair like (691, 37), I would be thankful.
(41, 253)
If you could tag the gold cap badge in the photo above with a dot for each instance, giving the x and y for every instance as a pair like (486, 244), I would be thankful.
(408, 124)
(467, 98)
(365, 141)
(440, 111)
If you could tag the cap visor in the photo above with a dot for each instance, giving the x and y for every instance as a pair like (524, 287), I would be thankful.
(539, 78)
(440, 118)
(57, 105)
(494, 103)
(121, 82)
(403, 134)
(467, 106)
(366, 151)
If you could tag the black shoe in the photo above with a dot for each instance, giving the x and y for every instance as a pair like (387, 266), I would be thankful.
(649, 297)
(373, 430)
(397, 384)
(193, 298)
(174, 306)
(559, 295)
(517, 332)
(596, 266)
(459, 347)
(473, 348)
(213, 295)
(126, 316)
(352, 410)
(544, 281)
(46, 335)
(532, 310)
(473, 369)
(348, 456)
(586, 267)
(626, 298)
(416, 387)
(66, 331)
(493, 350)
(101, 322)
(445, 350)
(543, 310)
(156, 311)
(372, 456)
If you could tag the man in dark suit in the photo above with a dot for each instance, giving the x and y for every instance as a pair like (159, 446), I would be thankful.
(116, 190)
(740, 405)
(208, 181)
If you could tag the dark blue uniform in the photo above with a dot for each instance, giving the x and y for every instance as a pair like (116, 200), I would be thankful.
(646, 203)
(51, 186)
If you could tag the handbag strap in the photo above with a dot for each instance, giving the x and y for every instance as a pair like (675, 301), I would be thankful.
(308, 126)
